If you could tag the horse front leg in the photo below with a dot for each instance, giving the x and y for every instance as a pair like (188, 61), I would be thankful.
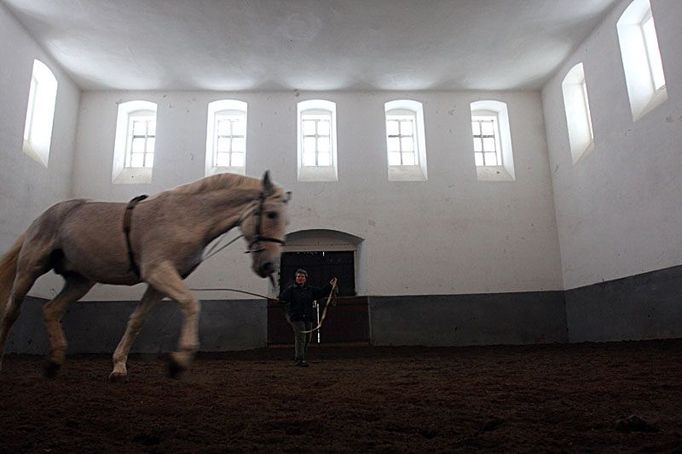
(75, 287)
(149, 299)
(166, 279)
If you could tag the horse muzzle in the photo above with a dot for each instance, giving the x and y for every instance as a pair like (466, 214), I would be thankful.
(266, 269)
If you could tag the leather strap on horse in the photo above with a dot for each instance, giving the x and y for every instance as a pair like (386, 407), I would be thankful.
(258, 238)
(126, 230)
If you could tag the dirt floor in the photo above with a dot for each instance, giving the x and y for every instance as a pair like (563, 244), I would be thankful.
(611, 397)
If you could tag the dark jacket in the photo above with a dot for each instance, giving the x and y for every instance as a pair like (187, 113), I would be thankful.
(299, 301)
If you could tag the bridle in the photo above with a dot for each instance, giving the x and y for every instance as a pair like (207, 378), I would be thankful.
(258, 237)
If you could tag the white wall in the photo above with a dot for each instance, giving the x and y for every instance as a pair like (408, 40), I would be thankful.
(26, 186)
(448, 235)
(618, 208)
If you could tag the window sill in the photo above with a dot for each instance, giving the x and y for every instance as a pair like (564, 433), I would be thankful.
(131, 175)
(317, 174)
(30, 150)
(406, 173)
(493, 173)
(656, 100)
(577, 157)
(216, 170)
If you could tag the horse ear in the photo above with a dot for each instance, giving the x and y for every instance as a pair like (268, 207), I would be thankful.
(268, 187)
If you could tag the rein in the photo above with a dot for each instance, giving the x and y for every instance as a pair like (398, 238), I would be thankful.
(324, 312)
(233, 290)
(214, 249)
(329, 302)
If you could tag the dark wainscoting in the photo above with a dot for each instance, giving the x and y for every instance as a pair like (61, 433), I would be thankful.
(478, 319)
(645, 306)
(97, 326)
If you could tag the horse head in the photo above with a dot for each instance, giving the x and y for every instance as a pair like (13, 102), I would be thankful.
(264, 227)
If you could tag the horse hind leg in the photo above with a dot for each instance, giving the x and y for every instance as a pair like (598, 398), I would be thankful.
(12, 310)
(75, 287)
(28, 269)
(149, 299)
(22, 285)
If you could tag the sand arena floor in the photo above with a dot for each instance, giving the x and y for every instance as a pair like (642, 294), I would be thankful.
(610, 397)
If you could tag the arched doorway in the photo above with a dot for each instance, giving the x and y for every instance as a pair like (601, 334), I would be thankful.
(324, 253)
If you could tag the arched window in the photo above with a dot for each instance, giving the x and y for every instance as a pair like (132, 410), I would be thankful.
(405, 140)
(492, 141)
(641, 58)
(226, 137)
(317, 156)
(42, 98)
(578, 118)
(135, 142)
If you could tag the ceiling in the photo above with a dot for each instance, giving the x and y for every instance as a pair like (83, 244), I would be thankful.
(264, 45)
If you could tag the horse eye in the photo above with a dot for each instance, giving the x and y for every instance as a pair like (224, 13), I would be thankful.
(271, 215)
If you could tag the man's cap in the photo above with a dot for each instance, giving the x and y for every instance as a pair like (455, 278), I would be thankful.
(302, 271)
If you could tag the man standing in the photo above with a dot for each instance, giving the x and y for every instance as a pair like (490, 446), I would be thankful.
(299, 299)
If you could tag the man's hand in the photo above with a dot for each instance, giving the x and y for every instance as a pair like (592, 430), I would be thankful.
(333, 281)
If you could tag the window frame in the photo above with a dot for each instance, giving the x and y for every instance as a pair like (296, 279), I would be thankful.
(406, 110)
(316, 116)
(40, 112)
(641, 58)
(30, 111)
(122, 172)
(653, 52)
(225, 108)
(578, 114)
(146, 116)
(504, 169)
(401, 116)
(316, 110)
(487, 116)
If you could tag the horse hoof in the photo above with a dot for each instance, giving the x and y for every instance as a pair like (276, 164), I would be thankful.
(175, 369)
(51, 369)
(117, 377)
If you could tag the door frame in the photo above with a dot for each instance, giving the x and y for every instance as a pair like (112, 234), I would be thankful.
(315, 240)
(312, 240)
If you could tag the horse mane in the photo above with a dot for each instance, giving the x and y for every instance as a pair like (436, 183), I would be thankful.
(217, 182)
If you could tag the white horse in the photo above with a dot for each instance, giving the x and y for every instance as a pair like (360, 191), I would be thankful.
(159, 242)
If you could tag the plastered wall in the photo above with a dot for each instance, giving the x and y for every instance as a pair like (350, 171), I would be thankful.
(26, 186)
(450, 234)
(618, 208)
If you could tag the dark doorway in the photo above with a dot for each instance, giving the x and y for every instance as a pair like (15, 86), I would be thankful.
(321, 266)
(348, 321)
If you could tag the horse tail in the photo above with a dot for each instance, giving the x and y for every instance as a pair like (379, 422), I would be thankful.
(8, 270)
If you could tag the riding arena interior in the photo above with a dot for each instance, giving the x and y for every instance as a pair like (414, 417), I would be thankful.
(494, 184)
